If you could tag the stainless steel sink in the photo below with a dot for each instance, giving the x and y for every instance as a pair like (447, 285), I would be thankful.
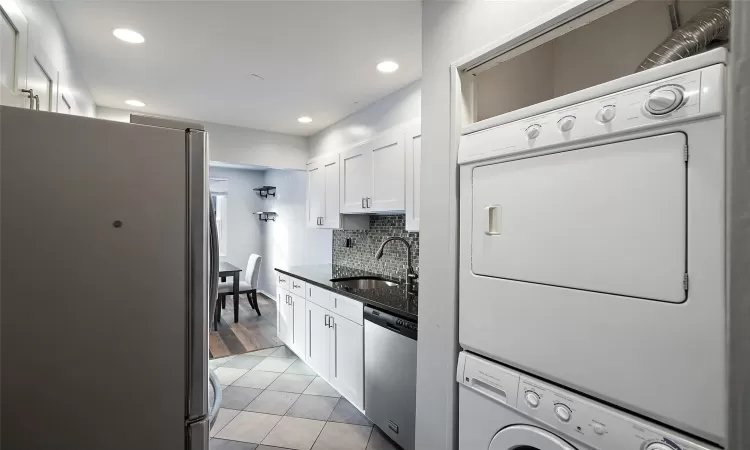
(364, 283)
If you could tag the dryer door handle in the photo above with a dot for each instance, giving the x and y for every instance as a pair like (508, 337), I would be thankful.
(494, 219)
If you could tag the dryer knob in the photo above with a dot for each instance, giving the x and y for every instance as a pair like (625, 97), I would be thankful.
(606, 114)
(533, 131)
(658, 446)
(566, 123)
(664, 100)
(564, 413)
(532, 399)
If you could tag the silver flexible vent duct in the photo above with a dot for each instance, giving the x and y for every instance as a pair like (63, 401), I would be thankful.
(695, 35)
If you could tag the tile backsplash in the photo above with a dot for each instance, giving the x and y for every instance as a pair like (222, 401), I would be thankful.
(361, 255)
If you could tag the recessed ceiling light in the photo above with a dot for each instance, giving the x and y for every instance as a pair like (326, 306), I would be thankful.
(387, 66)
(137, 103)
(304, 119)
(127, 35)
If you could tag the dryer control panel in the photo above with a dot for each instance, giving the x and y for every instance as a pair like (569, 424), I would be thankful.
(687, 96)
(567, 413)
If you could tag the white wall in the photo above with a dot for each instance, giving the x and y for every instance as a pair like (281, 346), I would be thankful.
(396, 109)
(241, 146)
(450, 31)
(288, 242)
(46, 37)
(244, 230)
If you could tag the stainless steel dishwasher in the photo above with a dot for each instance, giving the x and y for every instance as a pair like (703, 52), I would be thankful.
(391, 374)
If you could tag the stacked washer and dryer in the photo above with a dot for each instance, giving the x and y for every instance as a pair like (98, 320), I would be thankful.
(592, 274)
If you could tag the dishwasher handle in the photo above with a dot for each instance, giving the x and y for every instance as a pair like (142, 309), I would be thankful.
(391, 322)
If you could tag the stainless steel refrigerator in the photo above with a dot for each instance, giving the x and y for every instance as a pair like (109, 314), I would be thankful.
(107, 264)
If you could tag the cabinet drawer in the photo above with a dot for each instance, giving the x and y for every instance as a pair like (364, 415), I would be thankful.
(297, 287)
(282, 281)
(319, 296)
(346, 307)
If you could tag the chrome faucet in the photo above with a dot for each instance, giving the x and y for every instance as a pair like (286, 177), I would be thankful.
(411, 276)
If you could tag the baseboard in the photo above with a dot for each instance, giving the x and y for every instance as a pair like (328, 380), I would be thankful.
(266, 294)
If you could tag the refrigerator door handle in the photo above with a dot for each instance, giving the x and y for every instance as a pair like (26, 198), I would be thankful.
(199, 280)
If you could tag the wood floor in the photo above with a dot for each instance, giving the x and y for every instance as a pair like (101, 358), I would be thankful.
(251, 333)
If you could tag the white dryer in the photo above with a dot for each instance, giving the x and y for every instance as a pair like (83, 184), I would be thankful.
(501, 409)
(592, 242)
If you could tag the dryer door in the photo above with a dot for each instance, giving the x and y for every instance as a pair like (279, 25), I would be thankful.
(525, 437)
(609, 218)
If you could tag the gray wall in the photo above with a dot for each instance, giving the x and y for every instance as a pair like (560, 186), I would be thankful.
(580, 58)
(739, 228)
(241, 146)
(450, 31)
(361, 255)
(396, 109)
(243, 228)
(288, 242)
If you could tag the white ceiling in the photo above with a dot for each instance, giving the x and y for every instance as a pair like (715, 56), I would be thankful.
(317, 58)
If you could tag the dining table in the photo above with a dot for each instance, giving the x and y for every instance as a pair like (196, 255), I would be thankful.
(228, 270)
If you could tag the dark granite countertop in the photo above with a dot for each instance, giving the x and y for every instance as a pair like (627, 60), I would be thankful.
(394, 299)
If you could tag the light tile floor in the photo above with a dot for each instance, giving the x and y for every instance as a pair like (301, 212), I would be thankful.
(271, 400)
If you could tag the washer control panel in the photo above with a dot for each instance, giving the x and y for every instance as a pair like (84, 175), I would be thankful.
(564, 412)
(699, 93)
(593, 424)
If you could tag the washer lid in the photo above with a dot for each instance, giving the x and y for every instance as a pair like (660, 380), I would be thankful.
(525, 437)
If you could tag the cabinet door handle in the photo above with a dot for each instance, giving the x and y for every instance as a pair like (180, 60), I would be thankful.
(335, 349)
(293, 340)
(309, 332)
(325, 320)
(368, 202)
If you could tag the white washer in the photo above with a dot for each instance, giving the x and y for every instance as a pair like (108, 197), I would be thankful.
(592, 242)
(501, 409)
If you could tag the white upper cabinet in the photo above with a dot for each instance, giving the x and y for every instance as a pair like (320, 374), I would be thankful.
(42, 79)
(372, 175)
(387, 173)
(331, 217)
(323, 197)
(354, 176)
(413, 143)
(315, 194)
(13, 50)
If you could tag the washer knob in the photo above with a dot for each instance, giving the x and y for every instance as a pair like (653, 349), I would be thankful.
(664, 100)
(533, 131)
(598, 429)
(658, 446)
(606, 114)
(532, 398)
(564, 414)
(566, 123)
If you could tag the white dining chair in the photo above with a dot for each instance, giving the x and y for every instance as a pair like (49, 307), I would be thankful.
(248, 286)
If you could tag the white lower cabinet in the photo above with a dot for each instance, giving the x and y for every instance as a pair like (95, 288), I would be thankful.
(298, 325)
(331, 343)
(284, 315)
(318, 343)
(347, 360)
(290, 320)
